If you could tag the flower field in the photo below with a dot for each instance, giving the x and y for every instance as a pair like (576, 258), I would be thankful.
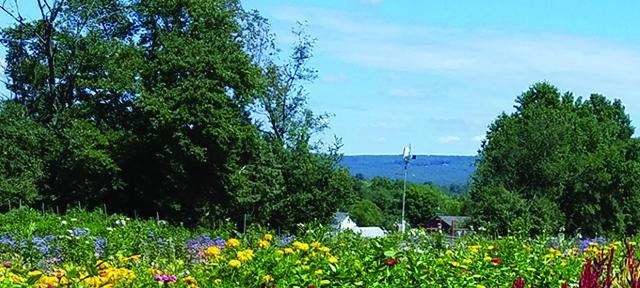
(84, 249)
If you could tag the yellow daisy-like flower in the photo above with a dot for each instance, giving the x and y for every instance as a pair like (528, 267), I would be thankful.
(217, 281)
(301, 246)
(212, 251)
(474, 248)
(267, 237)
(319, 272)
(324, 250)
(233, 243)
(264, 244)
(279, 252)
(455, 264)
(288, 251)
(267, 278)
(332, 260)
(192, 282)
(235, 263)
(467, 261)
(245, 255)
(315, 245)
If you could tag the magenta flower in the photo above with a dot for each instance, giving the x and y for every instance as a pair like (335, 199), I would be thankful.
(165, 278)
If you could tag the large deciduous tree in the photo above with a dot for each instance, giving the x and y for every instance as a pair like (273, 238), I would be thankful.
(558, 162)
(147, 106)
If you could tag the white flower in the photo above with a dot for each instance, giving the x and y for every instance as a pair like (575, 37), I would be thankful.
(63, 222)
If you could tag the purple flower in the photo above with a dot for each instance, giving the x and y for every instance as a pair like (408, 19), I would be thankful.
(5, 240)
(165, 278)
(79, 232)
(99, 244)
(197, 246)
(287, 240)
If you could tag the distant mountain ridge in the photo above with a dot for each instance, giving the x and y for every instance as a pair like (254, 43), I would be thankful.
(441, 170)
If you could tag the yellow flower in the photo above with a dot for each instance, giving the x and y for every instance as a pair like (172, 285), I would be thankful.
(264, 244)
(267, 237)
(34, 273)
(487, 258)
(235, 263)
(135, 258)
(189, 280)
(455, 264)
(217, 281)
(554, 251)
(319, 272)
(245, 255)
(332, 260)
(315, 245)
(324, 250)
(233, 242)
(288, 251)
(212, 251)
(467, 261)
(474, 248)
(301, 246)
(279, 252)
(267, 278)
(16, 279)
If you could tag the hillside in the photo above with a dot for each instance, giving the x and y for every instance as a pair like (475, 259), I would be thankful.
(441, 170)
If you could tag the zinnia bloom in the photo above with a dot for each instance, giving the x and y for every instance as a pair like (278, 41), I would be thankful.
(233, 242)
(391, 262)
(165, 278)
(235, 263)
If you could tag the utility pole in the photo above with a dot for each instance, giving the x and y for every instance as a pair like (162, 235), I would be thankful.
(406, 155)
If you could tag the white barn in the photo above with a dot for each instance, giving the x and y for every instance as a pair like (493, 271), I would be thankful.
(342, 222)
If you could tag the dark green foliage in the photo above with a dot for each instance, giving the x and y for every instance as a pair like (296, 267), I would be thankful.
(366, 213)
(23, 152)
(558, 162)
(148, 106)
(422, 201)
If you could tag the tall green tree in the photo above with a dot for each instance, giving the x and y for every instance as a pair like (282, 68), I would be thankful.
(565, 162)
(150, 108)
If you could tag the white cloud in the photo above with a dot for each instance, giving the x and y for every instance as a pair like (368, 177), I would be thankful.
(471, 55)
(448, 139)
(478, 138)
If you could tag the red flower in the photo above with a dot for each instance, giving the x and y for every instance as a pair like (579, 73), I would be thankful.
(496, 261)
(391, 262)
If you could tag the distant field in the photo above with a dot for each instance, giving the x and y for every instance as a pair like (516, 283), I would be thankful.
(441, 170)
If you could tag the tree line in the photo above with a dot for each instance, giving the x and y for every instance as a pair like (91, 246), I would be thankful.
(183, 108)
(558, 163)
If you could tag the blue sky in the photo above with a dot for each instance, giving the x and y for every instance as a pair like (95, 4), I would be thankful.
(436, 73)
